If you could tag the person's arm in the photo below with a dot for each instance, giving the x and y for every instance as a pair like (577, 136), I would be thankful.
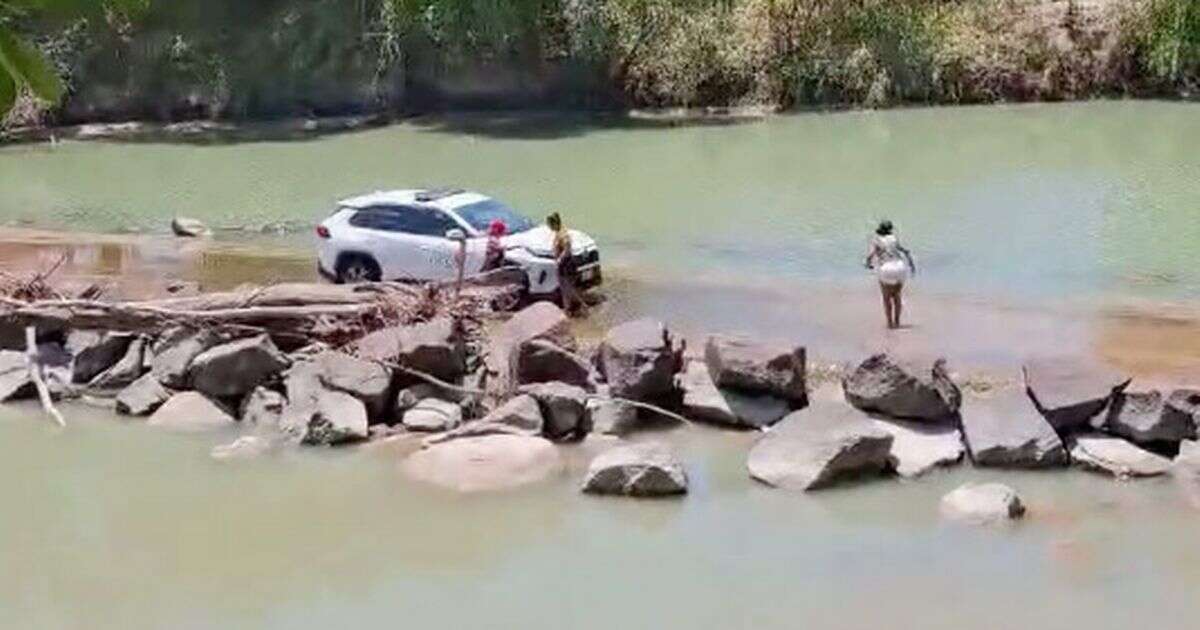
(869, 263)
(908, 256)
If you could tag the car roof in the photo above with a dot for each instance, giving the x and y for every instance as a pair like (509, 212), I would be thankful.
(444, 199)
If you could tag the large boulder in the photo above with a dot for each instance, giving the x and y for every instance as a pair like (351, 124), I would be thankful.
(126, 370)
(369, 382)
(903, 389)
(564, 409)
(1008, 432)
(329, 419)
(236, 368)
(434, 347)
(433, 415)
(1070, 395)
(521, 412)
(705, 402)
(15, 382)
(95, 351)
(818, 447)
(190, 411)
(1149, 417)
(757, 368)
(639, 360)
(641, 470)
(541, 320)
(485, 462)
(540, 361)
(918, 447)
(142, 397)
(982, 503)
(262, 408)
(174, 352)
(1115, 456)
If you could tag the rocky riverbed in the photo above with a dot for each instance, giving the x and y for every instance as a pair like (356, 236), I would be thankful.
(485, 408)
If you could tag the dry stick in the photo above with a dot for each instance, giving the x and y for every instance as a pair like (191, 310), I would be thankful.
(35, 373)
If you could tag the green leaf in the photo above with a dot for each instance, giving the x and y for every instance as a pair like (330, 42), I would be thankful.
(8, 94)
(26, 65)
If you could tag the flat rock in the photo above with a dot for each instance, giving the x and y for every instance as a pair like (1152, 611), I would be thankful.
(236, 368)
(433, 415)
(919, 447)
(564, 409)
(818, 447)
(126, 370)
(521, 412)
(485, 463)
(903, 389)
(1115, 456)
(1072, 395)
(1148, 417)
(982, 503)
(190, 411)
(174, 352)
(262, 408)
(369, 382)
(540, 361)
(755, 367)
(639, 360)
(14, 377)
(434, 347)
(1008, 432)
(142, 397)
(329, 419)
(94, 351)
(642, 470)
(705, 402)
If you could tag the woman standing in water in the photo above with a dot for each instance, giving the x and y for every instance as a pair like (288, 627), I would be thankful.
(564, 253)
(892, 263)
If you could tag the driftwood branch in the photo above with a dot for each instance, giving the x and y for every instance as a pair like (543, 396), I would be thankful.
(35, 374)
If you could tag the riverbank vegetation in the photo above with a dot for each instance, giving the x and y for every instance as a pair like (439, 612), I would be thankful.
(234, 59)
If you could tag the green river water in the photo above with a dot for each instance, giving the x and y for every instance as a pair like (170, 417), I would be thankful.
(1029, 222)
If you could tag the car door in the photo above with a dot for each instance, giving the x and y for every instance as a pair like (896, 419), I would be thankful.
(381, 234)
(436, 254)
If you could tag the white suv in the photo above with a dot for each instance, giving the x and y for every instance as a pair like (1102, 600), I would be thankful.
(414, 235)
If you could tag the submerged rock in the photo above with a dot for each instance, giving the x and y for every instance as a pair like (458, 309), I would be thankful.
(188, 227)
(1071, 396)
(485, 463)
(190, 411)
(818, 447)
(142, 397)
(564, 409)
(1148, 417)
(1008, 432)
(540, 361)
(982, 503)
(918, 448)
(640, 470)
(235, 368)
(1115, 456)
(245, 447)
(329, 419)
(95, 351)
(639, 360)
(432, 415)
(757, 368)
(902, 389)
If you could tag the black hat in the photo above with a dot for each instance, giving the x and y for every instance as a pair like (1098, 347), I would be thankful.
(885, 228)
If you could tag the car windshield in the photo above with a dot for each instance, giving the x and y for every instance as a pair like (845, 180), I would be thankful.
(481, 214)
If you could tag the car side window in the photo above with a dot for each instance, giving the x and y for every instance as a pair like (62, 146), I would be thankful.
(409, 220)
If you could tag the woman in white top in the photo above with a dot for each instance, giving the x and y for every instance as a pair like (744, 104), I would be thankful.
(892, 264)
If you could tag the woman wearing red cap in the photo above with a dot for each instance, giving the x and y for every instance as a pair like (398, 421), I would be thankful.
(494, 257)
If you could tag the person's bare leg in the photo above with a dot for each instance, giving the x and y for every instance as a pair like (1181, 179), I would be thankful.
(887, 303)
(899, 306)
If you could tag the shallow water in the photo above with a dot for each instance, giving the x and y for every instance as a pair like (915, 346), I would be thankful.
(1058, 229)
(114, 525)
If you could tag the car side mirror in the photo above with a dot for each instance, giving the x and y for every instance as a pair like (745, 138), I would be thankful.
(456, 235)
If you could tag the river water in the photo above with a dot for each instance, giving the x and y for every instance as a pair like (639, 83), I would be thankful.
(1049, 229)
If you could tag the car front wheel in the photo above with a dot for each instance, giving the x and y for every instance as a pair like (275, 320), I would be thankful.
(356, 269)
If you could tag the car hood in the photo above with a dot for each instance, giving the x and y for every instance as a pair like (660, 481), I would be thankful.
(540, 241)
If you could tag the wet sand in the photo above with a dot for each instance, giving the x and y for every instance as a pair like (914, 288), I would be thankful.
(985, 338)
